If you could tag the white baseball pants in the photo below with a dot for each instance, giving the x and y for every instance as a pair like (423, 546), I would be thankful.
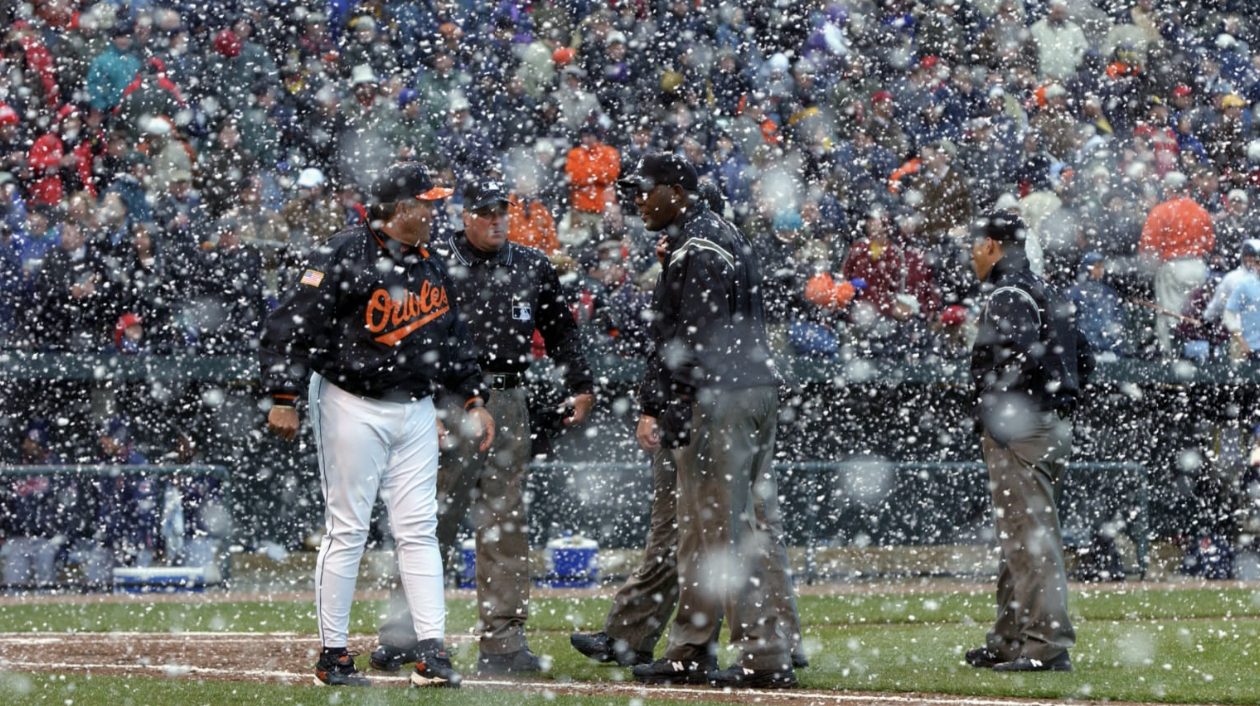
(368, 446)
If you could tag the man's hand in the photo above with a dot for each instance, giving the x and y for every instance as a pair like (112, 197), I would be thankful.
(483, 425)
(443, 436)
(648, 435)
(1239, 350)
(662, 247)
(581, 405)
(283, 422)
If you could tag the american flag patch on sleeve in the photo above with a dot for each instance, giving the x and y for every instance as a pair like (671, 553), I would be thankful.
(312, 278)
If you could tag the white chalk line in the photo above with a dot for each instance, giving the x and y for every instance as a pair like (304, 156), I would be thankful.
(176, 670)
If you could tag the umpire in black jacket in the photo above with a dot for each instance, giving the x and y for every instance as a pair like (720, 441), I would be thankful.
(1027, 369)
(504, 291)
(711, 393)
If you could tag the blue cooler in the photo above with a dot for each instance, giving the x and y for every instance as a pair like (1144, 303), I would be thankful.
(572, 562)
(468, 571)
(160, 579)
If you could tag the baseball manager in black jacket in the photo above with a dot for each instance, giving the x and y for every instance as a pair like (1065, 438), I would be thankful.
(372, 322)
(1027, 367)
(711, 393)
(505, 291)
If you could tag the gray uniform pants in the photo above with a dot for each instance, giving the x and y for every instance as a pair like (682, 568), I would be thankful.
(731, 557)
(642, 607)
(491, 487)
(1026, 479)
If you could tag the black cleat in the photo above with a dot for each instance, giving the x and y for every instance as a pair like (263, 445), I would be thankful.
(737, 677)
(800, 661)
(337, 669)
(1062, 663)
(983, 658)
(434, 669)
(602, 648)
(672, 671)
(391, 659)
(518, 662)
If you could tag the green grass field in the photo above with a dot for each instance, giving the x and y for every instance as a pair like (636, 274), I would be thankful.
(1198, 646)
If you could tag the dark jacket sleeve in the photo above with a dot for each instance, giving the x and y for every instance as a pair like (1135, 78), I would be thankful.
(461, 374)
(560, 331)
(297, 332)
(652, 398)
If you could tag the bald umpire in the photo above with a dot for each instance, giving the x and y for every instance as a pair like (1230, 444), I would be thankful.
(504, 291)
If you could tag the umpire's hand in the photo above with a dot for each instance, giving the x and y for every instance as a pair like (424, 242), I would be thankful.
(485, 427)
(283, 422)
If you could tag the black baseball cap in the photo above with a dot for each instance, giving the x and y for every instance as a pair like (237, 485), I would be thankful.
(406, 180)
(484, 193)
(661, 168)
(1001, 226)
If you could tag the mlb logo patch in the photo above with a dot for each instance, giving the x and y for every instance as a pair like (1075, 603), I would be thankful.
(312, 278)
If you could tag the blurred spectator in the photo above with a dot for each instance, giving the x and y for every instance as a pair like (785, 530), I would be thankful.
(113, 70)
(125, 532)
(529, 220)
(72, 302)
(14, 142)
(226, 300)
(33, 514)
(368, 128)
(222, 168)
(60, 161)
(1234, 225)
(144, 288)
(312, 216)
(592, 168)
(1178, 236)
(1099, 309)
(1242, 313)
(901, 294)
(130, 186)
(463, 144)
(198, 520)
(1060, 42)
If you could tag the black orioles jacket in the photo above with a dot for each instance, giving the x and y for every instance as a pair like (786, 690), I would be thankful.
(373, 317)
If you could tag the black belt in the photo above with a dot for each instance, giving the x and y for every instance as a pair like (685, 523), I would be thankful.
(503, 381)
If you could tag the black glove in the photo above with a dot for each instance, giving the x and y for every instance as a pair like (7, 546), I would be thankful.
(675, 424)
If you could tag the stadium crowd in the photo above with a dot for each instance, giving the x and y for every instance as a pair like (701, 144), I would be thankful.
(165, 165)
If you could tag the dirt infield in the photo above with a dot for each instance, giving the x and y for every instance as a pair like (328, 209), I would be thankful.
(282, 658)
(285, 658)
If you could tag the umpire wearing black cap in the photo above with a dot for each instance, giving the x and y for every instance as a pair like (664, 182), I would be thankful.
(710, 394)
(505, 291)
(1027, 367)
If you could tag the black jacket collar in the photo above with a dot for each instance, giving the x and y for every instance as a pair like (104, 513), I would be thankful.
(463, 251)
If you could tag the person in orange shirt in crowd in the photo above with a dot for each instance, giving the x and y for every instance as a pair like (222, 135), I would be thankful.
(530, 222)
(1178, 235)
(592, 168)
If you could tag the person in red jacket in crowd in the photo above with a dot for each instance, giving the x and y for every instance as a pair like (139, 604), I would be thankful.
(901, 294)
(60, 161)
